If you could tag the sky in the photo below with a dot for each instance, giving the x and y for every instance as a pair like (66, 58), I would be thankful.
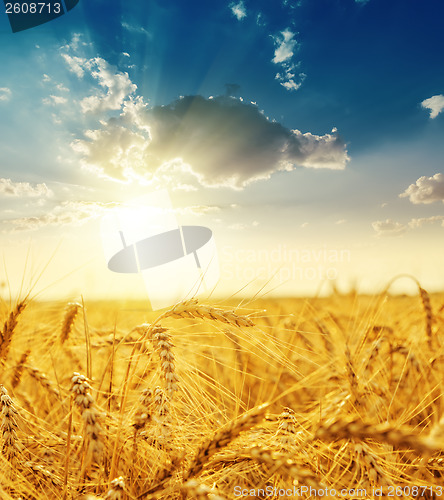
(307, 135)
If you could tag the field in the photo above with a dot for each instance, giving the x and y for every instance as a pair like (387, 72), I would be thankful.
(272, 398)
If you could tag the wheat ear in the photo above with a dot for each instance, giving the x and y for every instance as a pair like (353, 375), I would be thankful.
(281, 463)
(117, 489)
(71, 311)
(8, 329)
(385, 433)
(162, 343)
(287, 429)
(427, 305)
(9, 423)
(223, 437)
(192, 309)
(83, 399)
(18, 370)
(194, 489)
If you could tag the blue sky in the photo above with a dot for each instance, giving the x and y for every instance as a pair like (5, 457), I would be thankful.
(304, 125)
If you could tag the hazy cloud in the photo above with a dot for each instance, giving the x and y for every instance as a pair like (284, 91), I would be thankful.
(219, 141)
(423, 221)
(388, 227)
(54, 100)
(136, 29)
(23, 189)
(238, 9)
(435, 104)
(197, 210)
(68, 213)
(5, 94)
(393, 228)
(426, 190)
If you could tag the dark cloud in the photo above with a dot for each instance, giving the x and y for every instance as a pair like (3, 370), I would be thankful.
(228, 141)
(221, 141)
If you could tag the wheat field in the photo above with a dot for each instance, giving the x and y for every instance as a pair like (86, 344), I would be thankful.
(271, 398)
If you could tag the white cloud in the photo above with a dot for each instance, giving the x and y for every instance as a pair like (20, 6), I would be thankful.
(118, 87)
(54, 100)
(189, 142)
(114, 151)
(238, 9)
(285, 44)
(23, 189)
(61, 87)
(68, 213)
(75, 64)
(426, 190)
(5, 94)
(435, 104)
(341, 221)
(290, 84)
(388, 227)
